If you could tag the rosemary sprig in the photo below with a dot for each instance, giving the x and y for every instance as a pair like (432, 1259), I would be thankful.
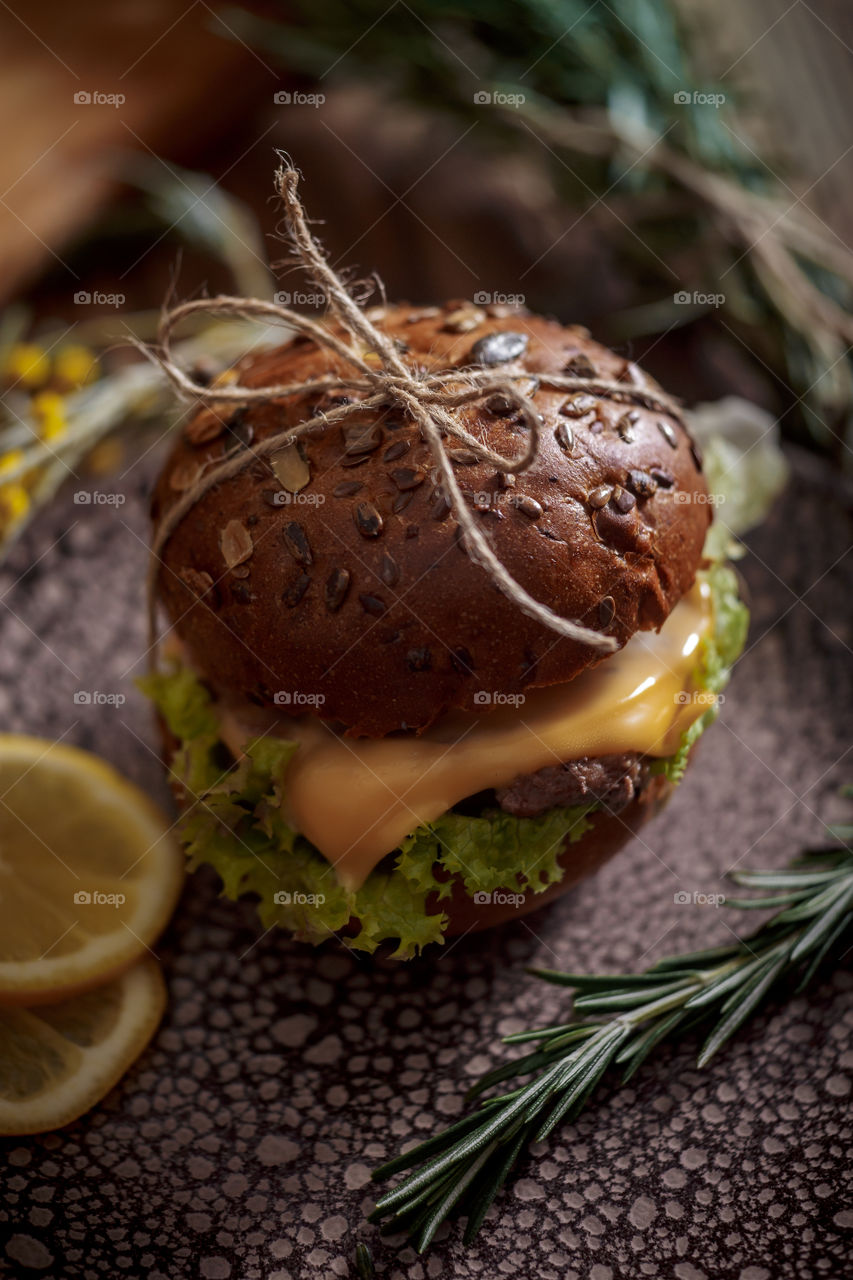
(623, 1019)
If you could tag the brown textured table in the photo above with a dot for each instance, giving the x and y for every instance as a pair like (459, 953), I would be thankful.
(239, 1146)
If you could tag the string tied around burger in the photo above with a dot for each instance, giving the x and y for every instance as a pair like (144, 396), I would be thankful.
(429, 398)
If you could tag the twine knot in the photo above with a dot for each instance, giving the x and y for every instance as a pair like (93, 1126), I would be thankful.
(429, 398)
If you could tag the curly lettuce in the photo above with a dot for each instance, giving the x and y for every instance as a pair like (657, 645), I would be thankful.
(718, 652)
(234, 821)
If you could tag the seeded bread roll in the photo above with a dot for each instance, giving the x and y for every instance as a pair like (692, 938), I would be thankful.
(332, 578)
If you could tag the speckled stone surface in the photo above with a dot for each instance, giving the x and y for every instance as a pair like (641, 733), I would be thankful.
(240, 1144)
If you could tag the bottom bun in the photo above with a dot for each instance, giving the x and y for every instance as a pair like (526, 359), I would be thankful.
(580, 858)
(609, 832)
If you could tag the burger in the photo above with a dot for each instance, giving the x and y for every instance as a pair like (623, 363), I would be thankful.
(364, 732)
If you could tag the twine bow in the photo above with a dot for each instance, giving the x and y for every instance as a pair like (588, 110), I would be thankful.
(429, 398)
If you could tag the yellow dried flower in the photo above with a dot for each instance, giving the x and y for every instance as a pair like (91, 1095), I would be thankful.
(11, 461)
(14, 502)
(49, 409)
(28, 364)
(75, 365)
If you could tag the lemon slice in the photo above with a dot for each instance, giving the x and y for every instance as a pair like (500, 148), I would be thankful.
(89, 871)
(58, 1060)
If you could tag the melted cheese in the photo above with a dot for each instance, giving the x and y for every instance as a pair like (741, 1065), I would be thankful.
(356, 798)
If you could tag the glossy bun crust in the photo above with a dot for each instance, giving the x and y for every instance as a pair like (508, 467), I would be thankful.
(334, 579)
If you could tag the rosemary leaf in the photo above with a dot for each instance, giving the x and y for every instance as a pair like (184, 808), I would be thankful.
(493, 1183)
(740, 1011)
(824, 924)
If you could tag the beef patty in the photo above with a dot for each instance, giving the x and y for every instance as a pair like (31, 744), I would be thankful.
(613, 781)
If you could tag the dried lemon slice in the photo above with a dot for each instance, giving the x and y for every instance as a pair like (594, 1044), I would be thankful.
(89, 871)
(58, 1060)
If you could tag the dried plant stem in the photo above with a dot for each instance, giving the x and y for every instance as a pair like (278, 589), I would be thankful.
(764, 228)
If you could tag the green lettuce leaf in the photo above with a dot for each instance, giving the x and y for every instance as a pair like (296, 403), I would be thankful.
(492, 851)
(744, 465)
(718, 652)
(187, 710)
(234, 822)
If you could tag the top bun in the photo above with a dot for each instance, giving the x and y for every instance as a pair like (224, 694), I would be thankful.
(332, 578)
